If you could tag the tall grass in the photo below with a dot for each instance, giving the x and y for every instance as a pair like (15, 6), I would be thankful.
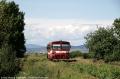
(36, 65)
(8, 62)
(102, 72)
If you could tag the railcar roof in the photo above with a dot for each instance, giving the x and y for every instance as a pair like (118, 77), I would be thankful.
(58, 42)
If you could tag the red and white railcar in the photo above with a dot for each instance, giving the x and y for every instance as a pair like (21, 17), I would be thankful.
(58, 50)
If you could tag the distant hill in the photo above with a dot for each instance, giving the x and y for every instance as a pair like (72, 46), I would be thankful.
(42, 49)
(35, 48)
(81, 48)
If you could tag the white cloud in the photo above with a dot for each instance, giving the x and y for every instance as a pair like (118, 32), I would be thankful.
(42, 31)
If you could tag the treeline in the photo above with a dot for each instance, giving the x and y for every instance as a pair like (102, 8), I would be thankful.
(104, 43)
(11, 37)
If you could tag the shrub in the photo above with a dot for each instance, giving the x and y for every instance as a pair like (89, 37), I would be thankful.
(74, 54)
(112, 57)
(85, 55)
(88, 55)
(91, 54)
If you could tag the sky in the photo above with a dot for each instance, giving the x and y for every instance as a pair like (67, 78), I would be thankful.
(68, 20)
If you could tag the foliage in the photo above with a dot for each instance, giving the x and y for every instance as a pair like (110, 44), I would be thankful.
(11, 37)
(116, 27)
(88, 55)
(8, 65)
(12, 26)
(85, 55)
(116, 50)
(105, 42)
(101, 42)
(74, 54)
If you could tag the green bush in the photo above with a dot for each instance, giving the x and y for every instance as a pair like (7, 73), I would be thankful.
(91, 54)
(112, 57)
(116, 56)
(85, 55)
(88, 55)
(74, 54)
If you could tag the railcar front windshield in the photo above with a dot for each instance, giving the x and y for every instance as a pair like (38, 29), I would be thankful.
(61, 46)
(56, 47)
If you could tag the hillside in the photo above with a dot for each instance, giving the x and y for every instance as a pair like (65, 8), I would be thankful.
(37, 65)
(35, 48)
(42, 49)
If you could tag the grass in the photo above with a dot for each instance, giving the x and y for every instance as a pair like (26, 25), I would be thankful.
(37, 65)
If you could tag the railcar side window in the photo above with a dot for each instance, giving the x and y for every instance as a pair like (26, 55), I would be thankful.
(65, 46)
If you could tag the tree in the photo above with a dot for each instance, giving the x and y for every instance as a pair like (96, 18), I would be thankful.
(102, 42)
(116, 27)
(11, 37)
(105, 42)
(12, 26)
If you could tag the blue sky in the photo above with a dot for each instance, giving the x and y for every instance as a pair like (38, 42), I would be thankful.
(71, 9)
(71, 20)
